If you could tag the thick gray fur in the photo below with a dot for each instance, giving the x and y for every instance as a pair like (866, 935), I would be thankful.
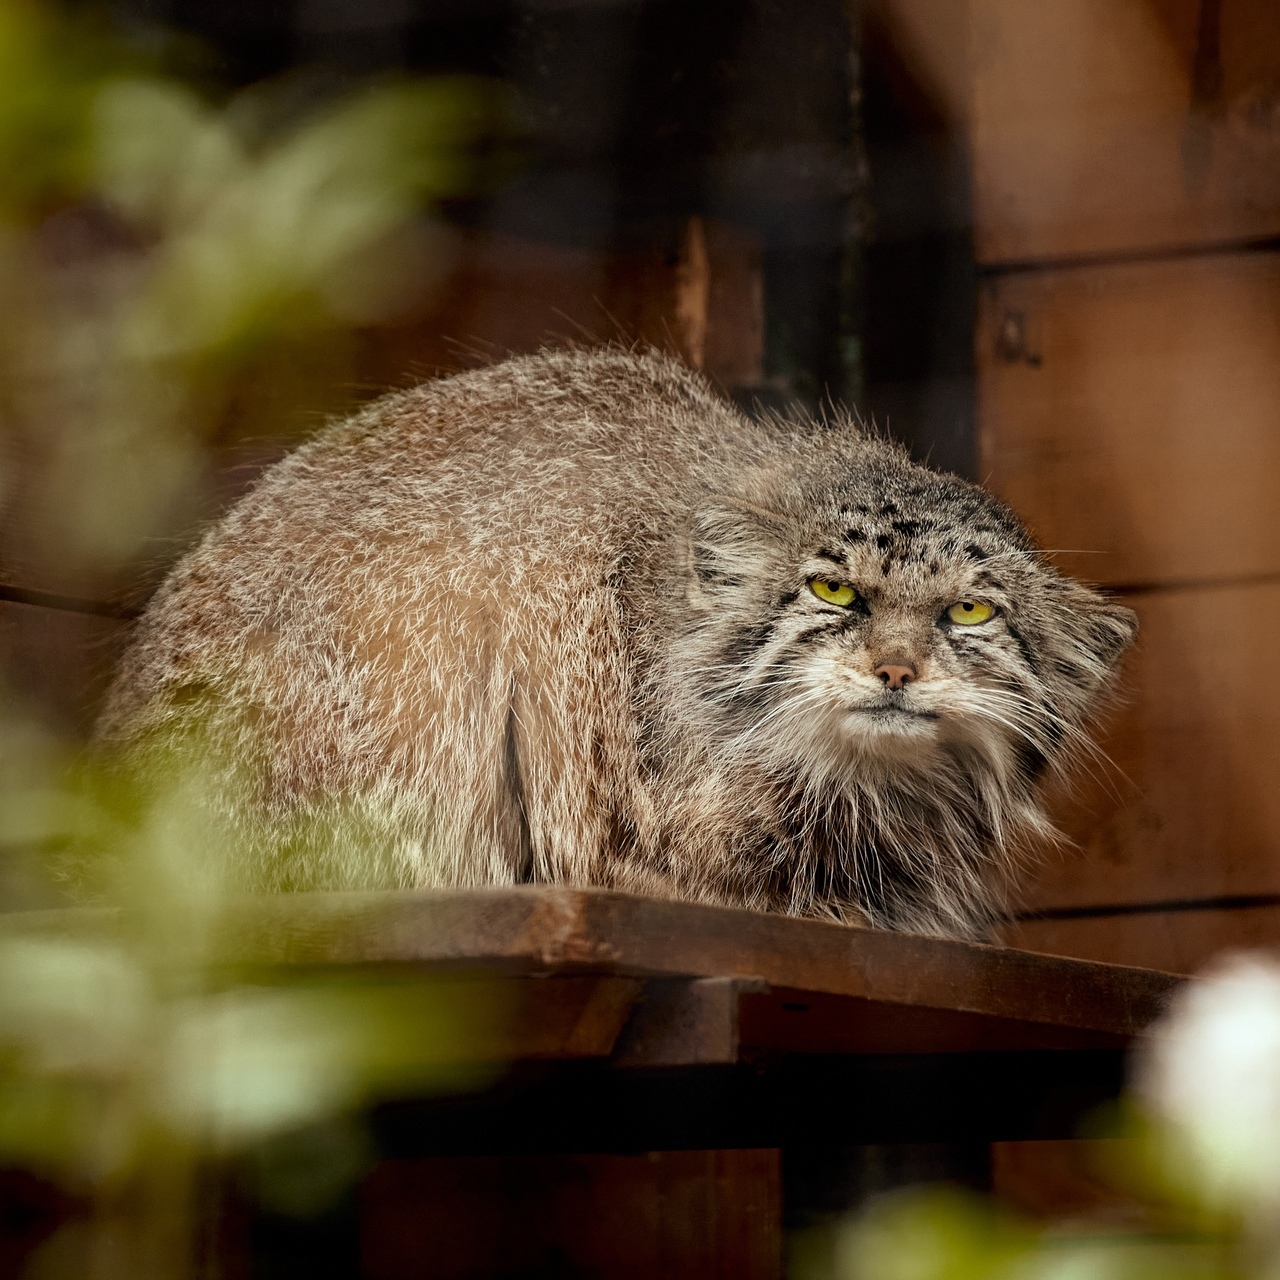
(549, 621)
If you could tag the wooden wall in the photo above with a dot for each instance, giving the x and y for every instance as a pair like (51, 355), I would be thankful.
(700, 1215)
(1126, 169)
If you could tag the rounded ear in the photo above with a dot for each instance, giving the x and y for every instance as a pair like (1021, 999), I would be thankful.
(727, 542)
(1115, 628)
(1101, 629)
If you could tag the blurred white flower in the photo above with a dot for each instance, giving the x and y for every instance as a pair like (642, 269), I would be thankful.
(72, 1007)
(1211, 1072)
(245, 1063)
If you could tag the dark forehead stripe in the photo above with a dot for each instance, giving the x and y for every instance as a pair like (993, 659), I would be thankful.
(928, 520)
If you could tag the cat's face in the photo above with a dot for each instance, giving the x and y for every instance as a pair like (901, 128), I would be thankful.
(898, 621)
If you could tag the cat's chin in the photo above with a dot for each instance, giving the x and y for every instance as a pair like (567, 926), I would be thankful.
(893, 719)
(885, 731)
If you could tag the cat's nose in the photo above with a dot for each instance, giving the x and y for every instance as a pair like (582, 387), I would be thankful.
(896, 675)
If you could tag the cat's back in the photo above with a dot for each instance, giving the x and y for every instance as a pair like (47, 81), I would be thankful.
(437, 523)
(559, 435)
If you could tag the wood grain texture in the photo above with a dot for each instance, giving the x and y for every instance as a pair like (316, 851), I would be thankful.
(1129, 411)
(1114, 126)
(1190, 807)
(1176, 941)
(549, 929)
(696, 1214)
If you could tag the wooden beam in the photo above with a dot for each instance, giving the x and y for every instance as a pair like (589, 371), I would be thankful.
(551, 929)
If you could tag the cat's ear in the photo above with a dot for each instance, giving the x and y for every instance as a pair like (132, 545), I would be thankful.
(1100, 627)
(1114, 628)
(729, 545)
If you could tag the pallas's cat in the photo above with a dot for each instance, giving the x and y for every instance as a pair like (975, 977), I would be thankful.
(575, 619)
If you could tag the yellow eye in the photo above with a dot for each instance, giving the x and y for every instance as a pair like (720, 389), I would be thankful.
(833, 592)
(968, 613)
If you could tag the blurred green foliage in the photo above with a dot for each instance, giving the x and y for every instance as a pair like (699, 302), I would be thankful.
(51, 70)
(945, 1234)
(159, 250)
(258, 243)
(161, 247)
(141, 1045)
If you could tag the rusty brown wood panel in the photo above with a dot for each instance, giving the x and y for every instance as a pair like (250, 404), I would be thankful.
(687, 1022)
(540, 929)
(1176, 941)
(1189, 806)
(1115, 126)
(790, 1021)
(1129, 412)
(677, 1214)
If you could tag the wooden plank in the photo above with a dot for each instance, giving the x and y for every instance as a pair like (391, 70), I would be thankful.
(1190, 808)
(688, 1022)
(1108, 126)
(551, 929)
(677, 1214)
(930, 40)
(543, 930)
(682, 1022)
(1129, 412)
(56, 663)
(790, 1021)
(560, 1017)
(1176, 941)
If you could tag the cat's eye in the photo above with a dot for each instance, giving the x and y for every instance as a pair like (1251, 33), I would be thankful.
(968, 613)
(833, 592)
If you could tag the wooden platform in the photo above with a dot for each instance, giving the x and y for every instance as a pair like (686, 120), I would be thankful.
(682, 1084)
(665, 1088)
(636, 1024)
(865, 991)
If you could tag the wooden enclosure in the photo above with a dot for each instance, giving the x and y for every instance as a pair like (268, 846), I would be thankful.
(1126, 162)
(1098, 340)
